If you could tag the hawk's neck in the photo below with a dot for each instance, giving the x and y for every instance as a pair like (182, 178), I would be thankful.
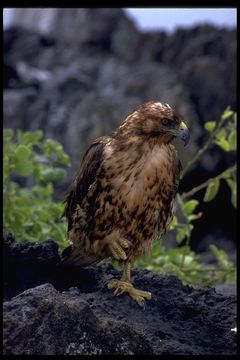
(143, 160)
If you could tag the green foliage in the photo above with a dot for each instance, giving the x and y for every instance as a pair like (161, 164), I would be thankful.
(214, 184)
(30, 213)
(212, 190)
(210, 125)
(185, 264)
(224, 132)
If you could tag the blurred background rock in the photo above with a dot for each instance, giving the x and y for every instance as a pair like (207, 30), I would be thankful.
(77, 73)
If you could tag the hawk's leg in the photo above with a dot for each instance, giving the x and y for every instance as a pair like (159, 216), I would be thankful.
(117, 246)
(124, 285)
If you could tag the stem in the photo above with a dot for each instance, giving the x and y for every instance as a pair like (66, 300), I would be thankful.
(180, 202)
(200, 153)
(206, 183)
(184, 253)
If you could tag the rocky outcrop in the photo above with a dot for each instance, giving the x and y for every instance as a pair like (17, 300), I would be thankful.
(85, 99)
(205, 59)
(51, 312)
(78, 74)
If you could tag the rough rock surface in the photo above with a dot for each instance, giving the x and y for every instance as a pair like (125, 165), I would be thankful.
(79, 87)
(49, 311)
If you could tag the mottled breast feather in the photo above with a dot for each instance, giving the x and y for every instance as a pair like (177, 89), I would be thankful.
(123, 189)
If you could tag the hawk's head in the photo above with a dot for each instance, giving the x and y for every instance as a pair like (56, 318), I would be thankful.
(156, 119)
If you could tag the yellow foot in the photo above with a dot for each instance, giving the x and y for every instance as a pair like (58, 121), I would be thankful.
(123, 286)
(116, 247)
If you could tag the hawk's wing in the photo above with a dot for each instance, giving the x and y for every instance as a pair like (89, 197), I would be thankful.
(91, 163)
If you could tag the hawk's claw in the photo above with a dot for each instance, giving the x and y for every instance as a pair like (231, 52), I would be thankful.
(118, 292)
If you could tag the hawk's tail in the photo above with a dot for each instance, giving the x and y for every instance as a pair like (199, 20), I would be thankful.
(73, 257)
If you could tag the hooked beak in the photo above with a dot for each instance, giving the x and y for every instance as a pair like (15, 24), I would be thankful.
(183, 133)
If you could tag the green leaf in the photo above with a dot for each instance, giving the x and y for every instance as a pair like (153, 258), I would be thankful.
(221, 134)
(31, 137)
(64, 158)
(43, 191)
(233, 187)
(190, 206)
(160, 260)
(24, 168)
(57, 210)
(188, 259)
(234, 199)
(53, 174)
(235, 118)
(183, 232)
(157, 248)
(232, 184)
(7, 134)
(226, 174)
(51, 146)
(22, 160)
(210, 125)
(173, 223)
(38, 168)
(211, 191)
(232, 140)
(223, 144)
(222, 257)
(194, 217)
(227, 113)
(45, 228)
(180, 201)
(22, 152)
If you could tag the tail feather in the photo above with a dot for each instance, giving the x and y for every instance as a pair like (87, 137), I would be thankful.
(73, 257)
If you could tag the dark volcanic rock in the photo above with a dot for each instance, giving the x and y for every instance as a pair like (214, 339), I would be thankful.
(71, 311)
(112, 63)
(76, 93)
(205, 59)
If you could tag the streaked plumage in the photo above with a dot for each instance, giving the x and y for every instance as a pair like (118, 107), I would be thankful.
(123, 195)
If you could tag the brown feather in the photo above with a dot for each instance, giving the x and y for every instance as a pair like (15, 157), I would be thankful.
(125, 187)
(73, 257)
(84, 178)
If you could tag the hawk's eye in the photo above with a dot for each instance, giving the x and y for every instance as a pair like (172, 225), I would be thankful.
(165, 121)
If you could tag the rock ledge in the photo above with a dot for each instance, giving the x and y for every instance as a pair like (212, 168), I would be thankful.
(48, 311)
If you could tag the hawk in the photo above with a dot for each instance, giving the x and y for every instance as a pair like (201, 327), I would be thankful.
(123, 195)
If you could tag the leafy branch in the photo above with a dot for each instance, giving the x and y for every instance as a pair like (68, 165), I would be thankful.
(217, 133)
(209, 182)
